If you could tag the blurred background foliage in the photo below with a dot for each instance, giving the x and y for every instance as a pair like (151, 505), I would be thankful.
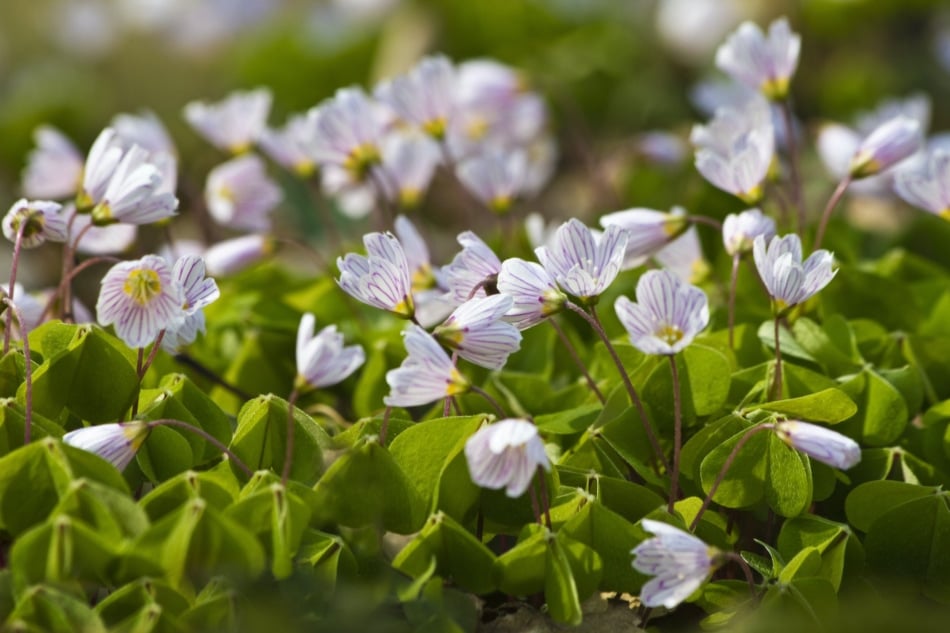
(611, 70)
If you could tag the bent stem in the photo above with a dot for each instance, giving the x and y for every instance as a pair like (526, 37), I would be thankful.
(27, 371)
(594, 322)
(736, 558)
(17, 246)
(142, 367)
(65, 289)
(797, 192)
(572, 351)
(494, 403)
(703, 219)
(829, 209)
(777, 381)
(71, 275)
(677, 434)
(733, 282)
(725, 468)
(210, 439)
(289, 448)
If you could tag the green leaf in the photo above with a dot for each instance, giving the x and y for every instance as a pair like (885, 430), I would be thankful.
(882, 410)
(831, 344)
(164, 454)
(521, 570)
(112, 514)
(829, 406)
(569, 421)
(217, 488)
(47, 609)
(834, 541)
(327, 557)
(744, 482)
(705, 440)
(805, 564)
(869, 501)
(705, 375)
(790, 346)
(13, 372)
(13, 425)
(612, 537)
(788, 485)
(129, 600)
(371, 385)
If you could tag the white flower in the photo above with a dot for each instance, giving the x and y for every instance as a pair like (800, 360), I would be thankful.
(240, 194)
(381, 278)
(761, 62)
(648, 230)
(99, 240)
(824, 445)
(322, 360)
(233, 124)
(116, 443)
(417, 254)
(53, 167)
(495, 177)
(42, 220)
(144, 130)
(426, 375)
(740, 230)
(140, 298)
(409, 162)
(887, 145)
(476, 330)
(535, 294)
(684, 257)
(234, 255)
(287, 145)
(928, 187)
(424, 96)
(346, 131)
(197, 292)
(506, 455)
(667, 316)
(475, 266)
(789, 280)
(679, 562)
(582, 263)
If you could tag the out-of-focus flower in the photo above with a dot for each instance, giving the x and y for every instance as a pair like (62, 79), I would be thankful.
(346, 131)
(824, 445)
(534, 292)
(355, 199)
(494, 177)
(693, 28)
(197, 291)
(417, 254)
(684, 257)
(426, 375)
(98, 240)
(765, 63)
(234, 255)
(647, 230)
(477, 331)
(239, 194)
(286, 146)
(53, 167)
(116, 443)
(233, 124)
(582, 263)
(41, 220)
(661, 148)
(735, 150)
(928, 187)
(140, 298)
(541, 160)
(409, 161)
(739, 230)
(423, 97)
(890, 143)
(147, 131)
(322, 360)
(789, 280)
(667, 316)
(679, 562)
(472, 269)
(381, 278)
(506, 454)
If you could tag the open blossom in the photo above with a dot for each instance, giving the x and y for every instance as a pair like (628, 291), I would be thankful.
(472, 269)
(582, 263)
(41, 220)
(140, 298)
(381, 278)
(887, 145)
(684, 257)
(53, 167)
(506, 454)
(739, 230)
(233, 124)
(98, 240)
(323, 360)
(197, 291)
(423, 97)
(476, 330)
(239, 194)
(735, 150)
(426, 375)
(231, 256)
(409, 161)
(286, 146)
(764, 63)
(667, 316)
(116, 443)
(147, 131)
(825, 445)
(346, 131)
(789, 280)
(929, 186)
(647, 230)
(535, 295)
(678, 561)
(495, 177)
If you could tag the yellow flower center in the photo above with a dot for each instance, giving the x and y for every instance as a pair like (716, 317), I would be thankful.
(456, 384)
(945, 214)
(775, 89)
(669, 334)
(361, 159)
(435, 128)
(405, 308)
(142, 285)
(477, 128)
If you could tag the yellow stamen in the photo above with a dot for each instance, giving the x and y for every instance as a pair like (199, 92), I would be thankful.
(142, 285)
(669, 334)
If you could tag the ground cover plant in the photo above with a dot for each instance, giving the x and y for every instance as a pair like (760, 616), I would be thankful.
(728, 416)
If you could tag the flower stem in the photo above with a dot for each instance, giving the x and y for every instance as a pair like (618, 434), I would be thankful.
(65, 289)
(703, 219)
(289, 447)
(17, 246)
(92, 261)
(577, 359)
(745, 569)
(210, 439)
(733, 282)
(447, 401)
(829, 209)
(27, 371)
(677, 434)
(594, 322)
(777, 383)
(494, 403)
(141, 368)
(722, 472)
(384, 427)
(796, 184)
(543, 493)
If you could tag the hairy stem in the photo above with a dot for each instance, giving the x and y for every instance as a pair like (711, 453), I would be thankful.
(487, 396)
(677, 434)
(572, 351)
(17, 246)
(27, 371)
